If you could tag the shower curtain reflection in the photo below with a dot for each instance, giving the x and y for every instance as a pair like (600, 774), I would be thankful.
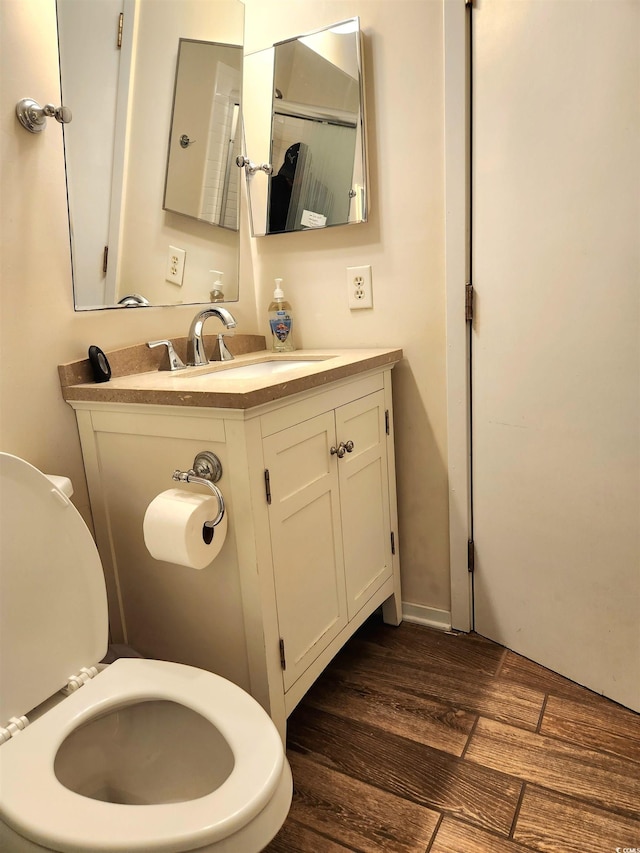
(312, 188)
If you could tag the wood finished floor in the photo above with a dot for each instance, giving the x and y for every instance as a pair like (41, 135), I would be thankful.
(416, 741)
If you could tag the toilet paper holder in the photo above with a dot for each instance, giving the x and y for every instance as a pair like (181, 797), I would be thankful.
(206, 471)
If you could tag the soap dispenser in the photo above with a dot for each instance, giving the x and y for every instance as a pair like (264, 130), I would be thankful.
(216, 294)
(281, 321)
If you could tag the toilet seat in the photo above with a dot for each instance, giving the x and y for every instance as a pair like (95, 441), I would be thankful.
(37, 806)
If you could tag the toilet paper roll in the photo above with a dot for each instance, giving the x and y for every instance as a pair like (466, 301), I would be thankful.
(174, 528)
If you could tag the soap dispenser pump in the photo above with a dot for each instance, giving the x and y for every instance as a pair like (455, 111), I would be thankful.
(281, 321)
(216, 294)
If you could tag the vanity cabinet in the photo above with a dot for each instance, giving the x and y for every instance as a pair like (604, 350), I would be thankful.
(309, 486)
(329, 523)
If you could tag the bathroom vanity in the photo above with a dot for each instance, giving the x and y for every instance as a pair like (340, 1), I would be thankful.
(305, 440)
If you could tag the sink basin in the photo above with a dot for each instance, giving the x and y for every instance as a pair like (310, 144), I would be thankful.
(261, 368)
(257, 369)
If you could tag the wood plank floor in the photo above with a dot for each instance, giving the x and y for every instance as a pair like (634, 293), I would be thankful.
(416, 741)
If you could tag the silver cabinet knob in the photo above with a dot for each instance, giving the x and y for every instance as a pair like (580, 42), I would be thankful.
(342, 448)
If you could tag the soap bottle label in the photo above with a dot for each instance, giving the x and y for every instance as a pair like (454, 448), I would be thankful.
(281, 325)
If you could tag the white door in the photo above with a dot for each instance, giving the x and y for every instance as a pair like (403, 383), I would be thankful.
(556, 335)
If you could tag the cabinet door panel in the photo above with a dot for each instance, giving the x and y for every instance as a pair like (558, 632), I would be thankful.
(306, 540)
(364, 496)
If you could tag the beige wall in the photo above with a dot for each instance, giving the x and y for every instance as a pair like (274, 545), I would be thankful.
(403, 242)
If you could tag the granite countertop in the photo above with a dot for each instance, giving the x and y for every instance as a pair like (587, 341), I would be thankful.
(137, 375)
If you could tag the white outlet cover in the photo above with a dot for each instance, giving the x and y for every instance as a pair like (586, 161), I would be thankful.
(359, 287)
(175, 265)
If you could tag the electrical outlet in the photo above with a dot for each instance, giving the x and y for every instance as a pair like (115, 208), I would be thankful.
(175, 265)
(359, 289)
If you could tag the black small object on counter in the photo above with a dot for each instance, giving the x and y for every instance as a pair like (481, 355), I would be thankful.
(99, 364)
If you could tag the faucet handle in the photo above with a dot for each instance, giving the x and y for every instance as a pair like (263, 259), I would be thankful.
(222, 353)
(175, 362)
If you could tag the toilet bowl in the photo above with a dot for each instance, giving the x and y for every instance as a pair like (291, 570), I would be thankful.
(140, 755)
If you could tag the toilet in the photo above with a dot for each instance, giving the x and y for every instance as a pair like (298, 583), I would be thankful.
(139, 755)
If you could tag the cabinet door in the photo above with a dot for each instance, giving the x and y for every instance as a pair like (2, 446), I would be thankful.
(364, 498)
(306, 540)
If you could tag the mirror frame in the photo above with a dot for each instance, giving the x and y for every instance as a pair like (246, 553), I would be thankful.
(260, 68)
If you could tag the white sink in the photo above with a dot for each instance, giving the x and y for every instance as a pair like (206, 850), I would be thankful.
(262, 368)
(257, 369)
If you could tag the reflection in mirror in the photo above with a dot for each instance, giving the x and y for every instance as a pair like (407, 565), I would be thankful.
(205, 134)
(123, 241)
(317, 140)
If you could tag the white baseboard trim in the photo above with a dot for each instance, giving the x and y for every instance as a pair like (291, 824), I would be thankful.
(430, 616)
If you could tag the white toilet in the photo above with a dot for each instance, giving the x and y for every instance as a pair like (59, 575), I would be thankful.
(142, 755)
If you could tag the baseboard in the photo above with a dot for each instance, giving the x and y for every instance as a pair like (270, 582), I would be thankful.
(430, 616)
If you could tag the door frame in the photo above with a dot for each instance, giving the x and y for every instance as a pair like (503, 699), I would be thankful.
(457, 149)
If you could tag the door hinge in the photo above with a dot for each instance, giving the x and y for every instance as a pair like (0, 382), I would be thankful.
(468, 302)
(471, 555)
(283, 660)
(105, 259)
(267, 484)
(120, 27)
(393, 542)
(468, 3)
(386, 421)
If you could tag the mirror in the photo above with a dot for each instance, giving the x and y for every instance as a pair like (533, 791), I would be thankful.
(203, 180)
(131, 244)
(317, 142)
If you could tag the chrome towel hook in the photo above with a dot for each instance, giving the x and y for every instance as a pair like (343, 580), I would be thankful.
(206, 471)
(33, 117)
(251, 168)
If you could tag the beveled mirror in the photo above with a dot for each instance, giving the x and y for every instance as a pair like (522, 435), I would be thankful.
(317, 133)
(118, 76)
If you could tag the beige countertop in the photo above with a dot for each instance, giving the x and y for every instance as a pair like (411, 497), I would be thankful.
(216, 385)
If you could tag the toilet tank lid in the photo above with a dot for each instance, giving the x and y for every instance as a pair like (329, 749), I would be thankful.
(53, 603)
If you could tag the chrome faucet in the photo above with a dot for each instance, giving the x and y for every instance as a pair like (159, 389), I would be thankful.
(195, 344)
